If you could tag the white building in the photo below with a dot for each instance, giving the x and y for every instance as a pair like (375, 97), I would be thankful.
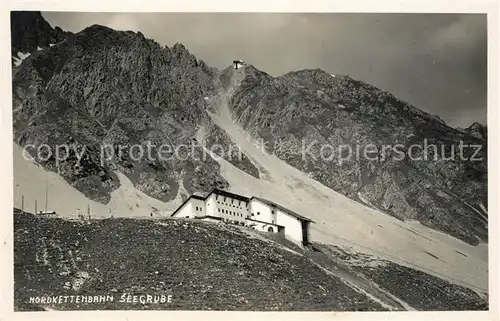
(255, 212)
(46, 214)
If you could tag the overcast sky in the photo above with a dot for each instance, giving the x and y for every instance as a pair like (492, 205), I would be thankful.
(437, 62)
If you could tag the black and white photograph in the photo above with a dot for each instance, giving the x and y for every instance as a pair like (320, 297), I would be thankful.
(249, 161)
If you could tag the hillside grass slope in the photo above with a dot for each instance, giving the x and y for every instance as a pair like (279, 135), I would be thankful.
(208, 266)
(203, 266)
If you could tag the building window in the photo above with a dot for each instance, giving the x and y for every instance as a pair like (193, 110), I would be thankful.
(196, 207)
(272, 211)
(218, 209)
(270, 229)
(258, 213)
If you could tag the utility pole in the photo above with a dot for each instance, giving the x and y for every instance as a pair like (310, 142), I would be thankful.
(35, 207)
(46, 193)
(22, 203)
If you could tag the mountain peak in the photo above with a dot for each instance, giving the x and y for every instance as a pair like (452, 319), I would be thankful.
(477, 130)
(98, 27)
(179, 48)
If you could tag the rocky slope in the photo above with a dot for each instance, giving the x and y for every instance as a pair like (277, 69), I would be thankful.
(101, 87)
(304, 117)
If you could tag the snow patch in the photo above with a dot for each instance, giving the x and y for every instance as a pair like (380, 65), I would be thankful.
(38, 48)
(483, 208)
(17, 61)
(20, 57)
(30, 180)
(23, 55)
(52, 44)
(332, 75)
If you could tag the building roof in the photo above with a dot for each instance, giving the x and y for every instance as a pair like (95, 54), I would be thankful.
(267, 223)
(187, 200)
(244, 199)
(228, 194)
(213, 191)
(284, 209)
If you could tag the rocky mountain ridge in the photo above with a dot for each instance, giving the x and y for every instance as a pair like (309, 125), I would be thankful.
(101, 87)
(302, 114)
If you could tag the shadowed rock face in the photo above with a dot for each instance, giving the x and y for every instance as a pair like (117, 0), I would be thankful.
(101, 87)
(30, 30)
(308, 114)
